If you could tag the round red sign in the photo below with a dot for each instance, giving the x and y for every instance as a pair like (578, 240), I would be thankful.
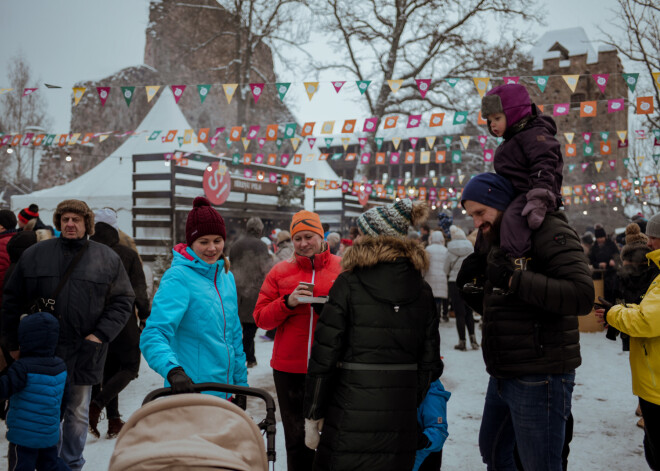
(363, 198)
(217, 184)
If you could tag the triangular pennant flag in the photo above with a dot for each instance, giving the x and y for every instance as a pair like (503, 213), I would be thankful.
(256, 89)
(28, 91)
(482, 85)
(482, 140)
(379, 143)
(612, 164)
(311, 88)
(151, 91)
(598, 164)
(571, 81)
(78, 93)
(177, 90)
(395, 85)
(345, 141)
(311, 141)
(395, 142)
(282, 88)
(586, 136)
(362, 85)
(604, 135)
(571, 167)
(103, 94)
(452, 81)
(465, 140)
(430, 142)
(511, 80)
(601, 81)
(295, 142)
(448, 140)
(622, 135)
(584, 165)
(413, 142)
(656, 78)
(362, 141)
(631, 81)
(5, 90)
(541, 82)
(127, 93)
(203, 91)
(230, 89)
(423, 85)
(328, 141)
(103, 137)
(338, 85)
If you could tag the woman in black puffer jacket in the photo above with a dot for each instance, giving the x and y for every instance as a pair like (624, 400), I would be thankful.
(376, 349)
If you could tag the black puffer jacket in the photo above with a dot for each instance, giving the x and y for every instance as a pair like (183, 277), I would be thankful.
(375, 352)
(97, 299)
(534, 328)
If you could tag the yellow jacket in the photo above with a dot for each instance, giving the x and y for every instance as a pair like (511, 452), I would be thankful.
(642, 323)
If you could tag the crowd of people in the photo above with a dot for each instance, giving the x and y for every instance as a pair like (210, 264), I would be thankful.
(354, 319)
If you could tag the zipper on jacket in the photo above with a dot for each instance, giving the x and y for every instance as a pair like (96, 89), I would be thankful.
(224, 318)
(648, 365)
(311, 318)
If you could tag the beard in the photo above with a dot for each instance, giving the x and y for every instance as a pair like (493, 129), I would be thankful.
(492, 234)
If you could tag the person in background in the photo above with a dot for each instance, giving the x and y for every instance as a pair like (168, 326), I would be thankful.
(444, 223)
(587, 241)
(250, 262)
(122, 364)
(458, 250)
(432, 418)
(26, 215)
(7, 231)
(326, 230)
(604, 255)
(436, 276)
(279, 306)
(35, 383)
(284, 246)
(197, 290)
(425, 232)
(642, 323)
(353, 232)
(531, 341)
(109, 216)
(334, 239)
(93, 306)
(376, 349)
(344, 244)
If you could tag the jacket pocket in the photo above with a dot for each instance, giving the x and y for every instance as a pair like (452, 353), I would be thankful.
(90, 360)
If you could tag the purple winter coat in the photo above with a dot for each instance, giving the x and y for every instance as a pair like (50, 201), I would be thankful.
(531, 157)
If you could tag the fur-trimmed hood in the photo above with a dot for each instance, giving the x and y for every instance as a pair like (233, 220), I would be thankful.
(369, 251)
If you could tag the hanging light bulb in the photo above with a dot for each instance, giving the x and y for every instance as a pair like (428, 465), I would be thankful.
(10, 150)
(584, 212)
(68, 158)
(615, 208)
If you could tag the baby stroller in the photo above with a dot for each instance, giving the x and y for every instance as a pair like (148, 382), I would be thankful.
(196, 431)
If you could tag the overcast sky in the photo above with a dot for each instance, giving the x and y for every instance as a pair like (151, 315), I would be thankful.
(66, 41)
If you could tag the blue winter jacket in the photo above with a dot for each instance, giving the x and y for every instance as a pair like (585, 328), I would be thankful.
(35, 384)
(432, 416)
(194, 322)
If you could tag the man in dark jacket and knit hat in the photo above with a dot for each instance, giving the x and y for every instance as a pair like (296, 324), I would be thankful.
(93, 305)
(530, 329)
(250, 263)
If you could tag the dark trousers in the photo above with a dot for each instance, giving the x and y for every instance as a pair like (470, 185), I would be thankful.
(22, 458)
(515, 234)
(290, 388)
(249, 331)
(461, 311)
(651, 415)
(117, 373)
(442, 305)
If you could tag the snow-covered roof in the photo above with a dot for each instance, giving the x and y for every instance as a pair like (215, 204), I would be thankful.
(574, 40)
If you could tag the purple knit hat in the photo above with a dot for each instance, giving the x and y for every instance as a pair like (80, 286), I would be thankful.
(510, 99)
(203, 220)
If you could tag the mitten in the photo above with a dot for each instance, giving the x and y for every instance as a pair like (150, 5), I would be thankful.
(313, 433)
(539, 202)
(179, 381)
(472, 270)
(500, 269)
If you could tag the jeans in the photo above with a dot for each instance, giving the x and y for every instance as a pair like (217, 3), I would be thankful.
(22, 458)
(462, 312)
(74, 426)
(651, 414)
(290, 388)
(530, 411)
(249, 331)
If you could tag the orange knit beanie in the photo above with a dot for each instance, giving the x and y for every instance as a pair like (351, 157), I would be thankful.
(306, 221)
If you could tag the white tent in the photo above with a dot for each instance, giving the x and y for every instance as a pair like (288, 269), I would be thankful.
(110, 182)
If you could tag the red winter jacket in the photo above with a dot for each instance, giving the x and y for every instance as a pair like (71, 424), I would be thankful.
(4, 257)
(295, 327)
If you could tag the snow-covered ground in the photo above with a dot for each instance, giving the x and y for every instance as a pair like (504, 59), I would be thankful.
(605, 436)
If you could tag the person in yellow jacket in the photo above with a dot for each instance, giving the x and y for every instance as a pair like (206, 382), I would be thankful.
(642, 323)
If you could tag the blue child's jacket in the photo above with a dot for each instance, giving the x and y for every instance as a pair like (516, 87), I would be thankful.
(432, 416)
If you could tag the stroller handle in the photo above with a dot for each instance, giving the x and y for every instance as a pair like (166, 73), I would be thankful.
(268, 424)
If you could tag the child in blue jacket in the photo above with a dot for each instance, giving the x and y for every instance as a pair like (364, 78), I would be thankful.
(35, 385)
(432, 416)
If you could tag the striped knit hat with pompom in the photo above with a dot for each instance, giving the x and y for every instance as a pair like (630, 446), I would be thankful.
(392, 219)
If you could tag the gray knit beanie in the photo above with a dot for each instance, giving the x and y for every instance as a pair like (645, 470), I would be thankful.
(392, 219)
(653, 226)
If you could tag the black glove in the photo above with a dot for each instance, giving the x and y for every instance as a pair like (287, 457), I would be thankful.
(472, 270)
(422, 440)
(500, 269)
(240, 401)
(179, 381)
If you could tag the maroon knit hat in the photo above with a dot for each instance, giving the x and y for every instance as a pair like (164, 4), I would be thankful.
(203, 220)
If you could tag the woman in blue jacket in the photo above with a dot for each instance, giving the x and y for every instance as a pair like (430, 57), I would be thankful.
(194, 334)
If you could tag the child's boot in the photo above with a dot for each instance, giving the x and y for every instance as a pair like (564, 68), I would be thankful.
(473, 342)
